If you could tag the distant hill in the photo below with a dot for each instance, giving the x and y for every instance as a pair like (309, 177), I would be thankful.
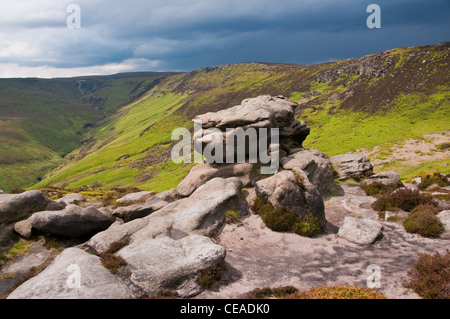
(123, 123)
(42, 120)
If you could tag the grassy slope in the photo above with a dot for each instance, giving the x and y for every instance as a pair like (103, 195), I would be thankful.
(43, 120)
(349, 104)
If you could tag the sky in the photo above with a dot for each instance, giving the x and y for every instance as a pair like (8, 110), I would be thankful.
(47, 38)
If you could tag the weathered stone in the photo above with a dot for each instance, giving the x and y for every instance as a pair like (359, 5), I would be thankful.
(317, 167)
(292, 192)
(166, 263)
(203, 172)
(17, 207)
(24, 228)
(135, 211)
(444, 217)
(389, 179)
(60, 281)
(360, 231)
(135, 197)
(351, 166)
(71, 199)
(201, 213)
(72, 221)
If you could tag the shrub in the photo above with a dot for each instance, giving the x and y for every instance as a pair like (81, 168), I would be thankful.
(210, 275)
(283, 220)
(430, 276)
(423, 221)
(17, 191)
(233, 216)
(325, 292)
(443, 146)
(377, 188)
(339, 292)
(266, 293)
(436, 178)
(112, 262)
(403, 198)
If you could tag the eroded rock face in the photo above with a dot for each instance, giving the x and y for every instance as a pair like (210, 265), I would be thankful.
(73, 221)
(263, 112)
(317, 167)
(60, 281)
(17, 207)
(351, 166)
(295, 193)
(135, 211)
(165, 263)
(389, 179)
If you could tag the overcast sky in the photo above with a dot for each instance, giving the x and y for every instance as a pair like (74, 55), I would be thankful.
(183, 35)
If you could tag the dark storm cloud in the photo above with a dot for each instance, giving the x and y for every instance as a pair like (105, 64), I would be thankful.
(184, 35)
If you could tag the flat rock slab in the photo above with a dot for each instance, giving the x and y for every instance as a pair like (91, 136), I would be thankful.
(360, 231)
(60, 280)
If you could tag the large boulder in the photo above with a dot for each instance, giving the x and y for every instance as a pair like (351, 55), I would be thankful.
(203, 172)
(17, 207)
(201, 213)
(165, 263)
(317, 167)
(388, 179)
(360, 231)
(291, 191)
(262, 112)
(60, 280)
(73, 221)
(352, 166)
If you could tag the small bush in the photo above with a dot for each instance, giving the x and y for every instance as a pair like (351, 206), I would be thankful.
(339, 292)
(283, 220)
(404, 199)
(430, 276)
(437, 178)
(377, 188)
(233, 216)
(423, 221)
(443, 146)
(266, 293)
(210, 276)
(112, 262)
(325, 292)
(17, 191)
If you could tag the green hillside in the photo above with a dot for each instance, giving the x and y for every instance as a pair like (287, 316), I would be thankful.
(349, 104)
(43, 120)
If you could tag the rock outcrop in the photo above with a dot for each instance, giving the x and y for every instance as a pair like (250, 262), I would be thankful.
(352, 166)
(388, 179)
(317, 167)
(73, 221)
(74, 274)
(72, 199)
(17, 207)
